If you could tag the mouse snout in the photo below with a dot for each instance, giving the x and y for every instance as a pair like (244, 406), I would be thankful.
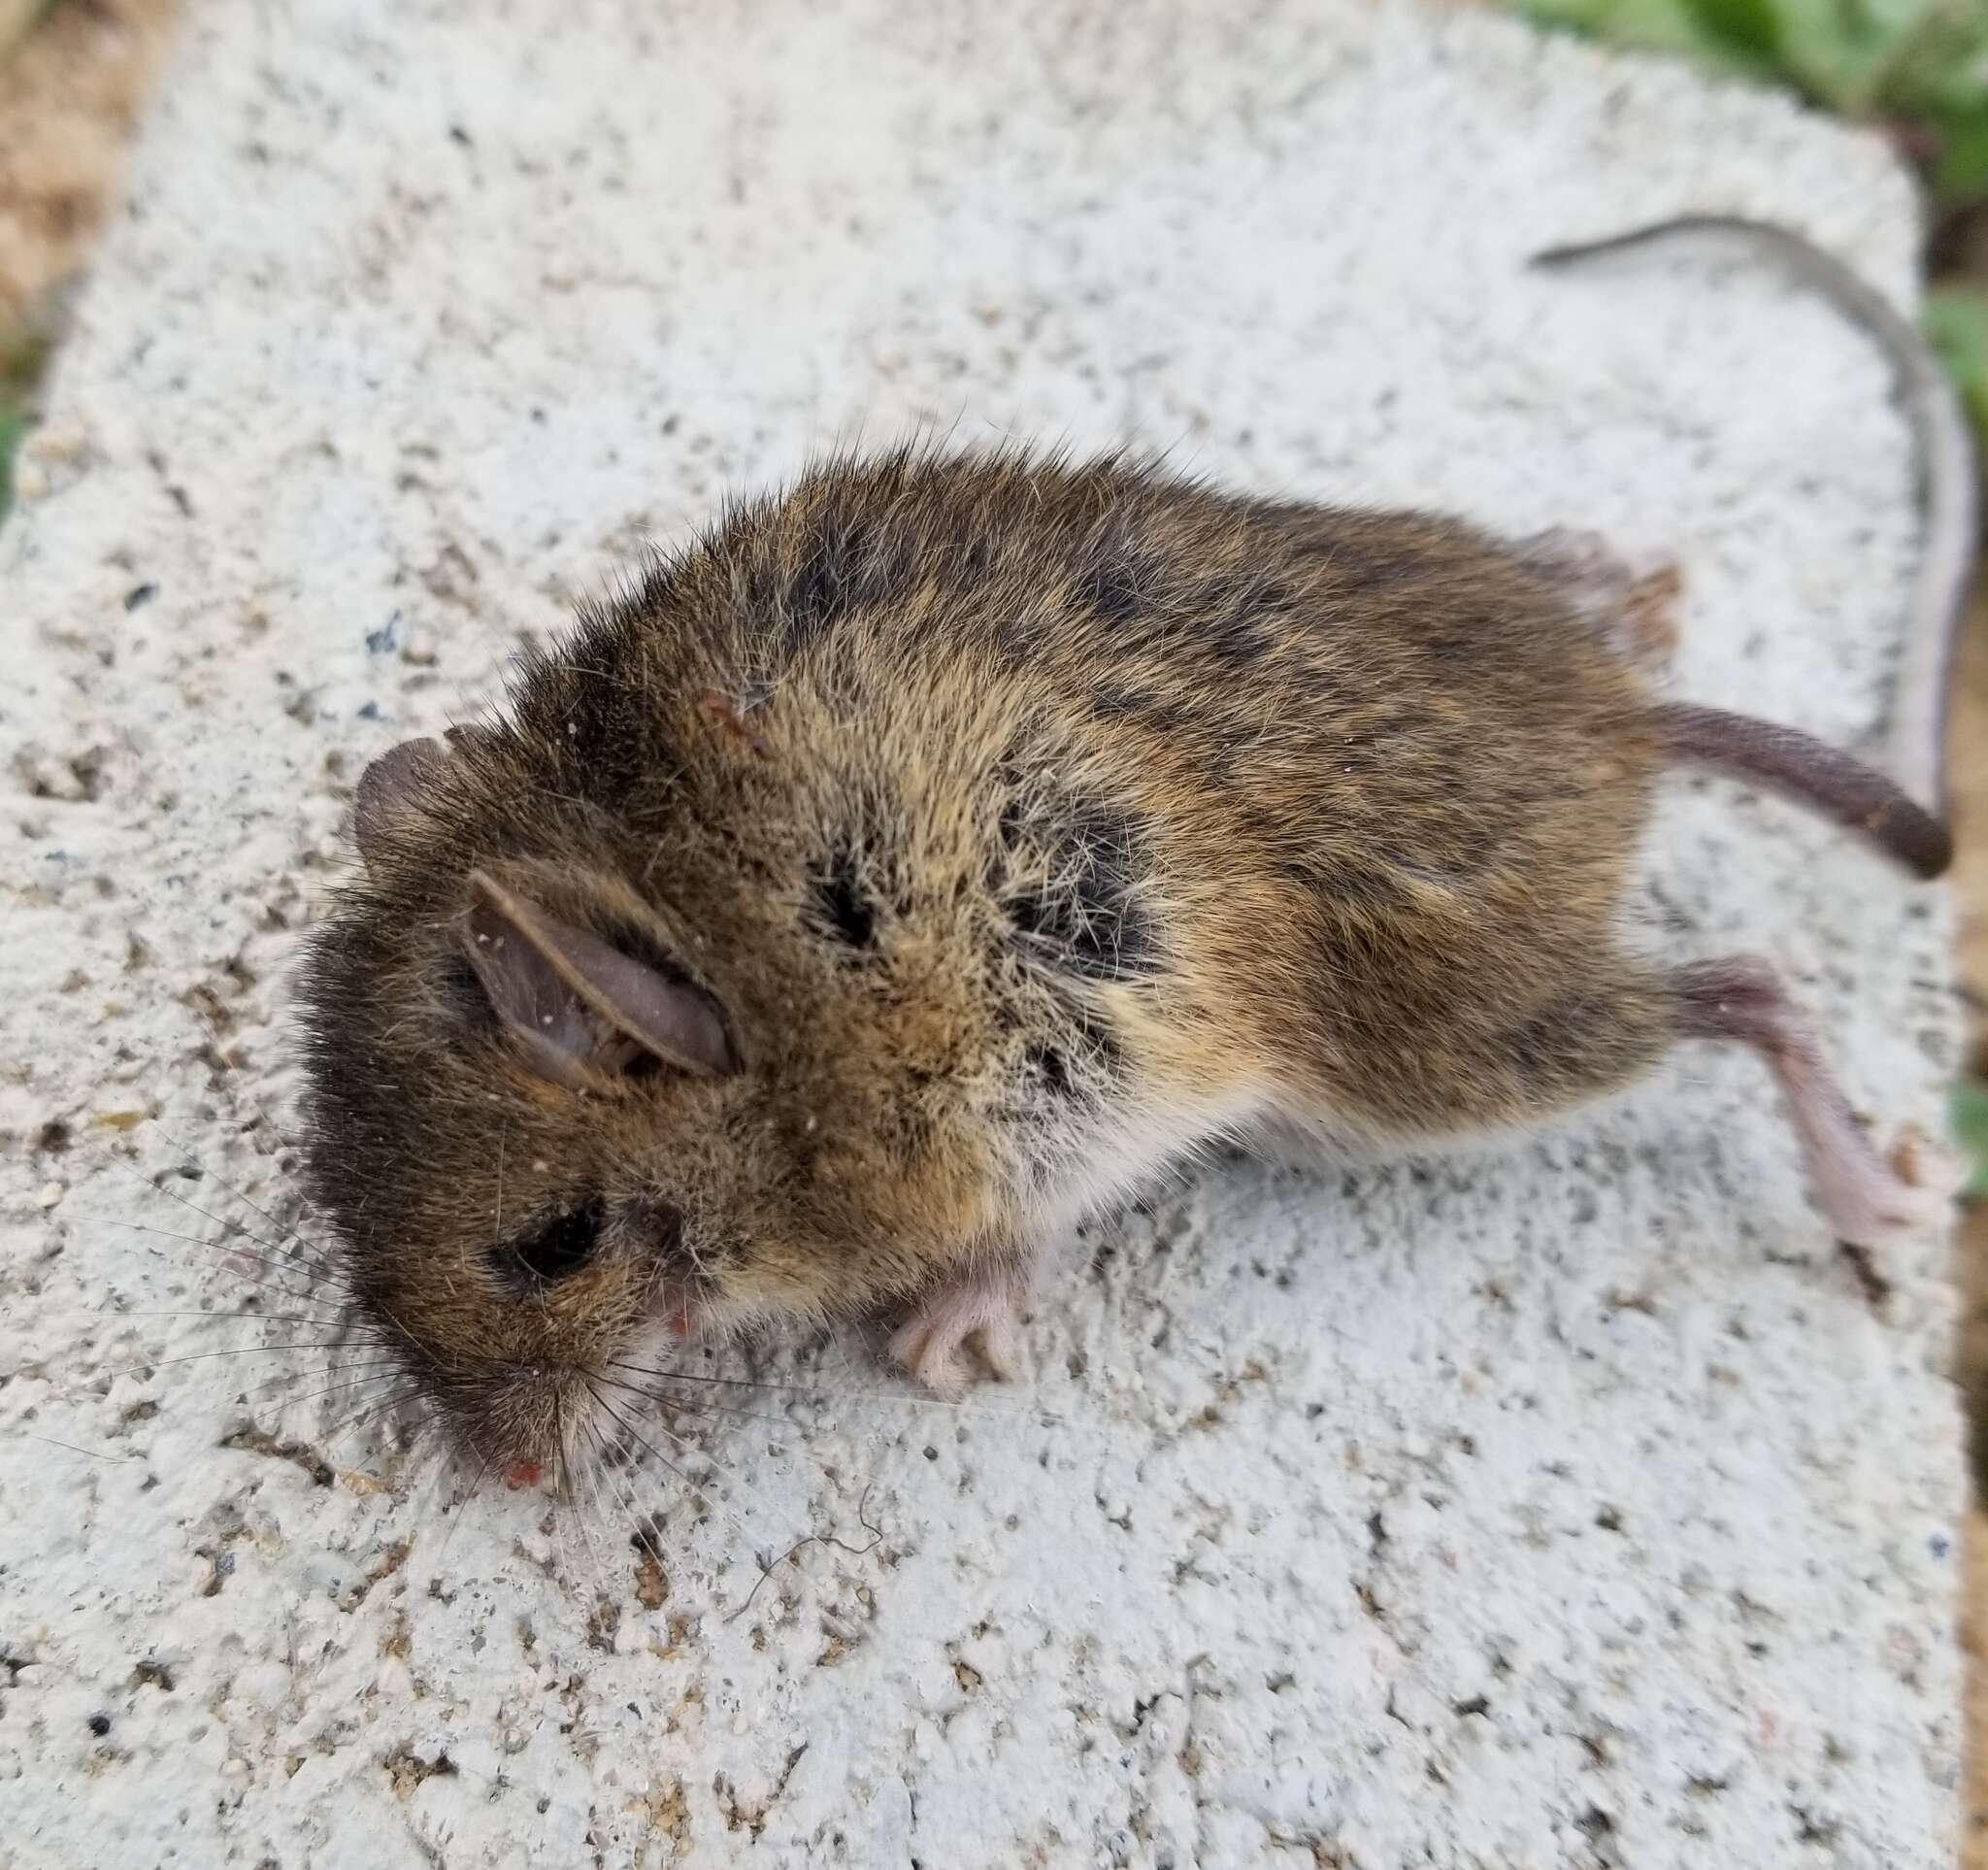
(524, 1421)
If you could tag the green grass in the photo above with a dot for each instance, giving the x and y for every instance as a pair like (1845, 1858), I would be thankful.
(24, 355)
(12, 427)
(1970, 1124)
(1957, 324)
(14, 423)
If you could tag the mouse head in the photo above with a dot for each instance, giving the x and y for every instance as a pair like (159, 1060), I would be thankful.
(560, 1120)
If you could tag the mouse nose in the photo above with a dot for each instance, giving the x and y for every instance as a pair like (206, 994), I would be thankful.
(522, 1473)
(679, 1311)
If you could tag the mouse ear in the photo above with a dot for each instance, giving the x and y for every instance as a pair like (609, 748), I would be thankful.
(392, 789)
(574, 1003)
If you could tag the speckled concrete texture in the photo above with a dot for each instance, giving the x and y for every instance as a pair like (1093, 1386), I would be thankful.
(1574, 1504)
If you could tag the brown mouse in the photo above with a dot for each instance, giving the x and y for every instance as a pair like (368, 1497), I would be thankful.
(929, 854)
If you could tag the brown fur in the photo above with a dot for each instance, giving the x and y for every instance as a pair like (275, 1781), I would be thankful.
(996, 802)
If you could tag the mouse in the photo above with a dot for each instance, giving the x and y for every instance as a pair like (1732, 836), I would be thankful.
(932, 852)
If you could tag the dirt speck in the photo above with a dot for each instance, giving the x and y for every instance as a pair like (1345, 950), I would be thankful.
(259, 1440)
(408, 1771)
(651, 1581)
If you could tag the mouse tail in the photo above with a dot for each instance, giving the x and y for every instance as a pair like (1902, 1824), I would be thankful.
(1949, 489)
(1830, 782)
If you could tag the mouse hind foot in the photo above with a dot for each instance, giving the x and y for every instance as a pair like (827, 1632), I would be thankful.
(1743, 999)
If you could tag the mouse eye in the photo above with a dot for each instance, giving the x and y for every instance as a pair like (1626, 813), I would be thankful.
(556, 1251)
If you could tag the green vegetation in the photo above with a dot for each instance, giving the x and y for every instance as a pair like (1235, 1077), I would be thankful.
(13, 427)
(22, 358)
(1957, 322)
(24, 350)
(1970, 1120)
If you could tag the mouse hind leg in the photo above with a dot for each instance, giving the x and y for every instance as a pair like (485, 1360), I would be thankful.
(1743, 999)
(1587, 1044)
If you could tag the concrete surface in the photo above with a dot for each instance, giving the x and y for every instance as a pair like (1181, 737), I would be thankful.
(1570, 1505)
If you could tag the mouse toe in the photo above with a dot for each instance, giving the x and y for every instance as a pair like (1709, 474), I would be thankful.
(975, 1310)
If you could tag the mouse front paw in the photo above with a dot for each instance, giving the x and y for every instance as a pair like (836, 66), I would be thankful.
(976, 1308)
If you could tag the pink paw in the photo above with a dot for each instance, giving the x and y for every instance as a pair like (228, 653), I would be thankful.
(974, 1308)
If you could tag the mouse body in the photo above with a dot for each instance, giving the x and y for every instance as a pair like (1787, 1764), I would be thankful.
(932, 854)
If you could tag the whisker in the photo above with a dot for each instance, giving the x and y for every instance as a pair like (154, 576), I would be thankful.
(282, 1379)
(220, 1220)
(283, 1142)
(842, 1350)
(93, 1454)
(719, 1408)
(687, 1446)
(605, 1469)
(370, 1410)
(975, 1407)
(385, 1364)
(293, 1376)
(644, 1528)
(455, 1519)
(230, 1388)
(320, 1253)
(564, 1482)
(425, 1433)
(697, 1408)
(255, 1317)
(711, 1500)
(624, 1490)
(212, 1246)
(201, 1356)
(591, 1472)
(641, 1520)
(694, 1376)
(357, 1340)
